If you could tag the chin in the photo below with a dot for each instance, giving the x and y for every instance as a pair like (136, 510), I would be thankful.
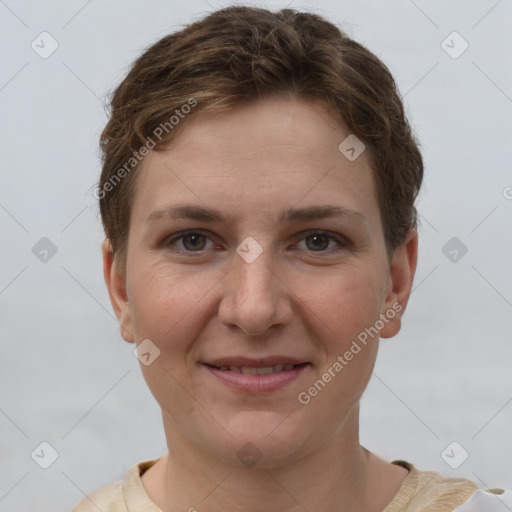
(265, 439)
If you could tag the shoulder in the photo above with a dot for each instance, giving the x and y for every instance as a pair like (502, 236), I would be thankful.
(428, 491)
(107, 499)
(492, 500)
(121, 496)
(424, 491)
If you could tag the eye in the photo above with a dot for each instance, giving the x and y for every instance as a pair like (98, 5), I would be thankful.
(320, 241)
(194, 241)
(190, 241)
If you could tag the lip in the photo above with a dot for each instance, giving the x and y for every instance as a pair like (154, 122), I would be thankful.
(254, 362)
(256, 384)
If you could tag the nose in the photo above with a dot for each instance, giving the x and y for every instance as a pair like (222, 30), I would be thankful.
(255, 299)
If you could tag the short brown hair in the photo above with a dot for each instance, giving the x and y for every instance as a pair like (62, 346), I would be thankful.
(240, 54)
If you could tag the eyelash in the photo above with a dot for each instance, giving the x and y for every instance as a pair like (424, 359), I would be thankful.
(169, 243)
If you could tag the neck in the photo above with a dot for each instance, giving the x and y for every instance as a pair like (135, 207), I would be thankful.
(338, 475)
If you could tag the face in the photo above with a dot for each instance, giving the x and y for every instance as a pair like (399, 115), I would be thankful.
(255, 259)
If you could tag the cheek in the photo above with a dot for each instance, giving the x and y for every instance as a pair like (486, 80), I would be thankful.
(170, 308)
(344, 302)
(341, 307)
(166, 304)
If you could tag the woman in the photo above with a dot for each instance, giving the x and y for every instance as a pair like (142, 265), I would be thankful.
(257, 195)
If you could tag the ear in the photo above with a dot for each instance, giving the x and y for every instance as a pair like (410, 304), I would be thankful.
(401, 277)
(116, 284)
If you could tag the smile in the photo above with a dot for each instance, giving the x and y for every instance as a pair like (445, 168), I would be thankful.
(256, 379)
(251, 370)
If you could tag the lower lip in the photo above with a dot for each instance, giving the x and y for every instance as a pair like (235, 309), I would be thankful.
(257, 383)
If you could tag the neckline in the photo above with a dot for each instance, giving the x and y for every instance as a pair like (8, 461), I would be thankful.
(137, 498)
(407, 489)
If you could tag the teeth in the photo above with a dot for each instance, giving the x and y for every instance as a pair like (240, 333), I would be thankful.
(246, 370)
(264, 371)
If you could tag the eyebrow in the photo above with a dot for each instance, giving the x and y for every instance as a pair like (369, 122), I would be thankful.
(203, 213)
(321, 212)
(188, 212)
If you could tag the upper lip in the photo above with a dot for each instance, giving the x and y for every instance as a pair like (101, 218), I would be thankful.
(247, 362)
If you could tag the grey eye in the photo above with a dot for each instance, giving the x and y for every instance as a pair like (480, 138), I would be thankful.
(194, 242)
(317, 242)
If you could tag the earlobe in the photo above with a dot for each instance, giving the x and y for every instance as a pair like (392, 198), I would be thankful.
(116, 284)
(401, 277)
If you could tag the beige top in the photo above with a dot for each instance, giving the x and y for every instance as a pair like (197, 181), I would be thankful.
(421, 491)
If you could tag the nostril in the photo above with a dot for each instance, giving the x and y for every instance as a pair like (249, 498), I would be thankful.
(249, 333)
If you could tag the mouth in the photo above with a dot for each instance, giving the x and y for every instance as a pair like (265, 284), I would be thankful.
(254, 377)
(257, 370)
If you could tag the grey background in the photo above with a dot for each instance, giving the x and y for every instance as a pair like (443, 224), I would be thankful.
(66, 376)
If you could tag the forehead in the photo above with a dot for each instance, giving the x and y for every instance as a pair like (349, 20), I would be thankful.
(261, 155)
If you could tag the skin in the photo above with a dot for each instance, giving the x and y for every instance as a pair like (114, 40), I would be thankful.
(303, 296)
